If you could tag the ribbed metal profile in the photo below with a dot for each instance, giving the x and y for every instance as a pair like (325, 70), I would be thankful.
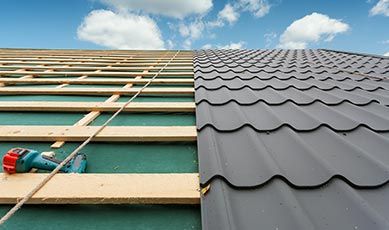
(293, 139)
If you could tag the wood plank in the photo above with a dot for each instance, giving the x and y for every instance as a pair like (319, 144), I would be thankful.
(96, 106)
(96, 81)
(110, 133)
(93, 63)
(95, 91)
(107, 62)
(29, 67)
(89, 57)
(64, 58)
(106, 73)
(93, 54)
(103, 188)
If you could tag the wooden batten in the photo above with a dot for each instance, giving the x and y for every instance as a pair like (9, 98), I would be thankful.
(102, 188)
(95, 91)
(110, 133)
(101, 74)
(50, 106)
(96, 81)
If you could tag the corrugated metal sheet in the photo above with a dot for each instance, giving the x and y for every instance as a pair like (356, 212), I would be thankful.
(263, 117)
(247, 158)
(284, 134)
(247, 96)
(277, 205)
(257, 83)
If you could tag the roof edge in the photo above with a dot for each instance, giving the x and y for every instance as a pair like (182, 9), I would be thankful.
(356, 53)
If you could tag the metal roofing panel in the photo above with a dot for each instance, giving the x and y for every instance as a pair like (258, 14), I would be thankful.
(293, 139)
(246, 96)
(282, 76)
(263, 117)
(246, 158)
(276, 205)
(280, 84)
(284, 108)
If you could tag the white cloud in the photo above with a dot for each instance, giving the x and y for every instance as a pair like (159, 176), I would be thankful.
(229, 14)
(120, 31)
(237, 45)
(382, 7)
(192, 30)
(170, 44)
(170, 8)
(258, 8)
(206, 46)
(311, 28)
(231, 45)
(385, 42)
(187, 44)
(184, 30)
(386, 54)
(269, 39)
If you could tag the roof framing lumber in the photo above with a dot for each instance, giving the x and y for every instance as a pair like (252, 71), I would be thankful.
(91, 73)
(94, 63)
(88, 118)
(51, 106)
(110, 133)
(95, 91)
(109, 81)
(102, 57)
(102, 188)
(106, 62)
(29, 67)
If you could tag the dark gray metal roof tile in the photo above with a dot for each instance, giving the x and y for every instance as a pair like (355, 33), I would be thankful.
(271, 96)
(255, 82)
(276, 205)
(263, 117)
(247, 158)
(293, 139)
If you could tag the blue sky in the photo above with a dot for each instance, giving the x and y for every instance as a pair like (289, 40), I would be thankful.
(352, 25)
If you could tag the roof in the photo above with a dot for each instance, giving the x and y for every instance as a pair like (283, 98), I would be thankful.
(293, 139)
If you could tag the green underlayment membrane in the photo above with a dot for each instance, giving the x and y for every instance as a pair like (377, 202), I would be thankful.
(113, 157)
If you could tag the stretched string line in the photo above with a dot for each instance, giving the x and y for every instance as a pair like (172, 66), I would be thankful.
(18, 205)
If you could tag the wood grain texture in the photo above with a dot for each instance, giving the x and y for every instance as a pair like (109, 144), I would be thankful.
(96, 106)
(105, 73)
(110, 133)
(95, 91)
(96, 81)
(102, 188)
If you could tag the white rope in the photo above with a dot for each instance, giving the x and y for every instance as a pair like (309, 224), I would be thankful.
(17, 206)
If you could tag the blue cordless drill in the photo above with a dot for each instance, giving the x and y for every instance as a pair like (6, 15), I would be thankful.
(21, 160)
